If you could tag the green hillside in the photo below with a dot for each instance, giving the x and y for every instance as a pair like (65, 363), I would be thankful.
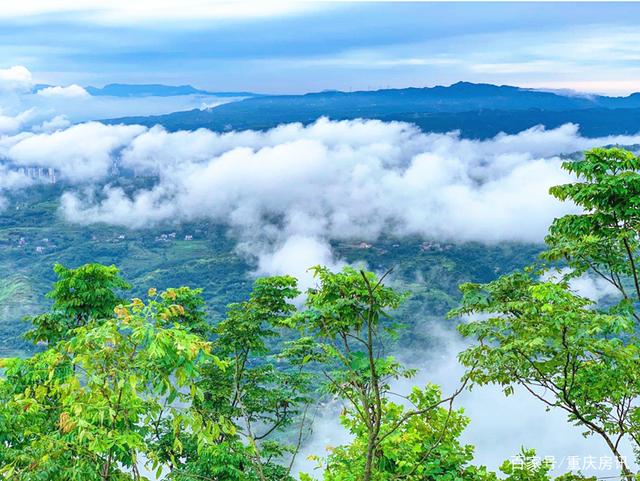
(33, 237)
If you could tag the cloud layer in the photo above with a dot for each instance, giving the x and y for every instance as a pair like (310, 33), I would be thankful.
(286, 192)
(27, 105)
(340, 180)
(293, 188)
(71, 91)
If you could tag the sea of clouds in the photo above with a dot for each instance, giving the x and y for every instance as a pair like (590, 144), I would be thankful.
(285, 193)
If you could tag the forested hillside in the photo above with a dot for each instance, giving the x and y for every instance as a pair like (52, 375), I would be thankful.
(34, 236)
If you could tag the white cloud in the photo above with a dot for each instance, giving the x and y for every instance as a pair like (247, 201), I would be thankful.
(326, 433)
(82, 152)
(22, 109)
(72, 91)
(351, 179)
(347, 180)
(10, 124)
(294, 257)
(58, 122)
(85, 108)
(15, 79)
(11, 180)
(123, 11)
(590, 286)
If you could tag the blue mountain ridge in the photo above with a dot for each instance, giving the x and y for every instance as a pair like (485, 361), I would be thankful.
(477, 110)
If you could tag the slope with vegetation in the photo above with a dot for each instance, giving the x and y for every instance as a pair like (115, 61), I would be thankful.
(34, 237)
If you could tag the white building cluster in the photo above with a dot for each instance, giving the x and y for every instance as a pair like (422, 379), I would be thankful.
(40, 173)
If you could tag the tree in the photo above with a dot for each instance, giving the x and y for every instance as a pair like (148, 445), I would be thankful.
(114, 378)
(345, 333)
(21, 424)
(256, 388)
(417, 448)
(560, 347)
(90, 292)
(550, 341)
(603, 239)
(93, 400)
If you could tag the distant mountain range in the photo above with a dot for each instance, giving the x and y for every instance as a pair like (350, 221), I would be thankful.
(477, 110)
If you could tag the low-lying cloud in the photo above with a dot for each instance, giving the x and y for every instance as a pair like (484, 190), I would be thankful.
(71, 91)
(285, 193)
(27, 104)
(294, 188)
(81, 153)
(342, 180)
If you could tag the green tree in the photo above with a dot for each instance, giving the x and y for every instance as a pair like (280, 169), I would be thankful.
(107, 387)
(564, 350)
(543, 337)
(89, 292)
(257, 388)
(345, 333)
(416, 448)
(603, 239)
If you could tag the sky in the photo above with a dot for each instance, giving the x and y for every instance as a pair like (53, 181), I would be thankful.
(295, 47)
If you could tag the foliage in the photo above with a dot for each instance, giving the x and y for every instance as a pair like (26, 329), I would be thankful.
(344, 328)
(545, 338)
(417, 448)
(603, 239)
(91, 402)
(80, 295)
(560, 347)
(191, 315)
(255, 388)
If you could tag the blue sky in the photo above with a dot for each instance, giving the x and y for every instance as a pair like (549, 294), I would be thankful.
(299, 47)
